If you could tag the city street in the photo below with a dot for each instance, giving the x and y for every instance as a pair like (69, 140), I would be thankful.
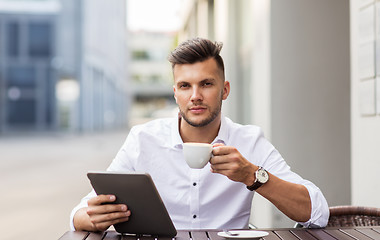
(42, 177)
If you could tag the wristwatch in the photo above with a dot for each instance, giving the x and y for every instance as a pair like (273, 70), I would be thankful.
(262, 177)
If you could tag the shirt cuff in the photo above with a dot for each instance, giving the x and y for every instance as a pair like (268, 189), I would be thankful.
(319, 209)
(82, 204)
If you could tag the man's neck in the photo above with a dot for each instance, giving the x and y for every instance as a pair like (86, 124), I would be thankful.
(204, 134)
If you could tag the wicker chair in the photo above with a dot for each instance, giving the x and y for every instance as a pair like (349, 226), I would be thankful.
(346, 216)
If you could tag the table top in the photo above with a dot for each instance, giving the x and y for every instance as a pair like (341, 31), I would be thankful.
(357, 233)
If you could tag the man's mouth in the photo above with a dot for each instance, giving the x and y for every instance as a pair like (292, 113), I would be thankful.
(197, 110)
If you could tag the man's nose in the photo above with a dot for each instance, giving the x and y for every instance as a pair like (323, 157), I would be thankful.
(196, 94)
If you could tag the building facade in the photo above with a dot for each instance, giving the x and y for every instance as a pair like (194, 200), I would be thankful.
(151, 75)
(365, 101)
(62, 66)
(27, 79)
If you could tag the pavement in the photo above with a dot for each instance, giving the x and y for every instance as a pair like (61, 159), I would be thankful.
(42, 178)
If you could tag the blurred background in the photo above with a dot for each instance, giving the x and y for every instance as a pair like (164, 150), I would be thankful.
(75, 75)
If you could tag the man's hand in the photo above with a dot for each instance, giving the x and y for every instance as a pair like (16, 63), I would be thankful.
(99, 215)
(228, 161)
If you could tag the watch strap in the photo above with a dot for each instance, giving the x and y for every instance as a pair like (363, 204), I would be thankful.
(256, 184)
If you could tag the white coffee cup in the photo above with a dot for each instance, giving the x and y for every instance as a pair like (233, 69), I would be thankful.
(197, 155)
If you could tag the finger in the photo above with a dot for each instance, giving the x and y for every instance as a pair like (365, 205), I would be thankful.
(106, 208)
(102, 221)
(225, 163)
(104, 225)
(222, 150)
(226, 172)
(217, 145)
(219, 159)
(220, 167)
(229, 174)
(100, 199)
(100, 218)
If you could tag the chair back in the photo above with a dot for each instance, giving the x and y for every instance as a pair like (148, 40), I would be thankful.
(347, 216)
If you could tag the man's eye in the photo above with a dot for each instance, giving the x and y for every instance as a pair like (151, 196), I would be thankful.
(207, 84)
(184, 85)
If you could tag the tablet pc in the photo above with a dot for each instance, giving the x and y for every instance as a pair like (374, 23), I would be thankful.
(137, 190)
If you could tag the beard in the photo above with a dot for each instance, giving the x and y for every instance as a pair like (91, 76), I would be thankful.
(214, 113)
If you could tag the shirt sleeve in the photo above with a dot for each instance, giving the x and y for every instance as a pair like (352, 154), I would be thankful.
(319, 208)
(272, 161)
(124, 161)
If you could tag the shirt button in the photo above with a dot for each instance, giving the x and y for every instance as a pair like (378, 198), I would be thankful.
(194, 216)
(194, 184)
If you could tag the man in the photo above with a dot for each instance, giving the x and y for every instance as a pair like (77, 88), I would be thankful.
(215, 197)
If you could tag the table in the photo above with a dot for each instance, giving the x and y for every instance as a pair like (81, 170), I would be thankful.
(357, 233)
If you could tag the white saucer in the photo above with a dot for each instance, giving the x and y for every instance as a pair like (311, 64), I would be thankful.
(244, 234)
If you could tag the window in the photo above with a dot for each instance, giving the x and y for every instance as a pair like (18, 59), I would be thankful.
(21, 112)
(136, 77)
(21, 76)
(40, 37)
(140, 55)
(12, 36)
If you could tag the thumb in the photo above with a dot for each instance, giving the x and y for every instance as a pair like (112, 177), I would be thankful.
(217, 145)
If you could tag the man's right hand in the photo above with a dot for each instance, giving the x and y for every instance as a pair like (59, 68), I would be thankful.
(99, 215)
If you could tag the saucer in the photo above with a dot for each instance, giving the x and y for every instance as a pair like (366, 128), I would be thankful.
(244, 234)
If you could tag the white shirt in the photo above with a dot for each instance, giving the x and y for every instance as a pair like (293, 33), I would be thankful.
(198, 198)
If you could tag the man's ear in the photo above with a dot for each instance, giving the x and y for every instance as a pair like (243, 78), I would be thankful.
(226, 90)
(175, 97)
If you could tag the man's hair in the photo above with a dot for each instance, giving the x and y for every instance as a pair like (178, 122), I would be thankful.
(196, 50)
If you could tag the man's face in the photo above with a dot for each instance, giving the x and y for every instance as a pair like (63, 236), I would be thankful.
(199, 90)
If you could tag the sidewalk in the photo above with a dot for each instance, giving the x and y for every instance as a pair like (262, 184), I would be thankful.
(43, 177)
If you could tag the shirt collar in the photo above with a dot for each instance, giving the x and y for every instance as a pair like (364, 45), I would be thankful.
(177, 140)
(176, 137)
(223, 132)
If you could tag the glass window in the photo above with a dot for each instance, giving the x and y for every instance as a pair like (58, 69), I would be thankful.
(140, 55)
(39, 39)
(136, 77)
(158, 54)
(21, 76)
(21, 112)
(12, 36)
(50, 97)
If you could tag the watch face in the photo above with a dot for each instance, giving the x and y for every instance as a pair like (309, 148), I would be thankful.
(262, 176)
